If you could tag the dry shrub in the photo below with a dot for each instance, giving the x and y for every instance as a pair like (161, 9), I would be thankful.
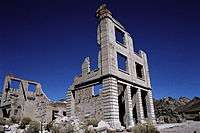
(62, 128)
(88, 122)
(2, 121)
(92, 121)
(49, 126)
(25, 121)
(145, 128)
(5, 121)
(15, 119)
(34, 127)
(110, 131)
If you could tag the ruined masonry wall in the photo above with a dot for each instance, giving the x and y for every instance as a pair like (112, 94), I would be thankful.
(87, 105)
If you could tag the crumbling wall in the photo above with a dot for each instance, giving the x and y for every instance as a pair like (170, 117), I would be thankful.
(87, 105)
(23, 101)
(18, 101)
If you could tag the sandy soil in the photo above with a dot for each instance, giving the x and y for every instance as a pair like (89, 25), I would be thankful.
(186, 127)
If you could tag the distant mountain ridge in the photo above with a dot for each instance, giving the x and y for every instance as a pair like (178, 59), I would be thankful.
(192, 106)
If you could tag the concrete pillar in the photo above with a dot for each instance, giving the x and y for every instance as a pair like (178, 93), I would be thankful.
(139, 107)
(150, 107)
(110, 102)
(129, 107)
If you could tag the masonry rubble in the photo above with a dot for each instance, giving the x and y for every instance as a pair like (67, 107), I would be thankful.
(118, 92)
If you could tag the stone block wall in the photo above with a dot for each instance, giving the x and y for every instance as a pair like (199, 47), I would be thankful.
(87, 105)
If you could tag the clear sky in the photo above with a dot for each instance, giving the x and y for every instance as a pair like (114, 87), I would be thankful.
(46, 41)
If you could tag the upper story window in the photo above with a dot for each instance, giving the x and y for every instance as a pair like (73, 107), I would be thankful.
(119, 35)
(139, 70)
(122, 62)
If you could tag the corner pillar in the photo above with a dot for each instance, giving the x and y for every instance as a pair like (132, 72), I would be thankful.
(110, 102)
(70, 102)
(150, 107)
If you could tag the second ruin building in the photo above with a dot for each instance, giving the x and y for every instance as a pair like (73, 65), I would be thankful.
(24, 98)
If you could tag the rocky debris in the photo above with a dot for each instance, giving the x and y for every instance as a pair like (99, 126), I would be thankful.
(104, 127)
(91, 129)
(80, 127)
(72, 123)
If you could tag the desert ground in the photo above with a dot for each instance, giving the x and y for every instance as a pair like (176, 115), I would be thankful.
(186, 127)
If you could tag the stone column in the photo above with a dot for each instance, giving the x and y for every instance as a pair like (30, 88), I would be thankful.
(150, 107)
(139, 107)
(110, 102)
(129, 107)
(70, 102)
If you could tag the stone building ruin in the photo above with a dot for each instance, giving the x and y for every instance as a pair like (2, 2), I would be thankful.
(119, 91)
(25, 98)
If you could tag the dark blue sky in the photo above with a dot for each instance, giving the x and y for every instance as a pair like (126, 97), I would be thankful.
(46, 41)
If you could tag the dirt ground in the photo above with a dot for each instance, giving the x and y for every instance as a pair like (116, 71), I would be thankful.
(186, 127)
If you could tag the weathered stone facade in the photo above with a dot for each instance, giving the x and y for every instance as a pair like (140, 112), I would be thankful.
(119, 91)
(19, 100)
